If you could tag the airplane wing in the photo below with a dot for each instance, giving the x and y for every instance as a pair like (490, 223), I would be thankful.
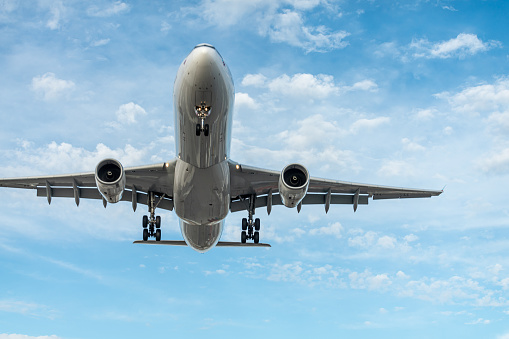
(249, 181)
(139, 181)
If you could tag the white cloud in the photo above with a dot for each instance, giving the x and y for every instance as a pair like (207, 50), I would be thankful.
(364, 85)
(366, 280)
(23, 336)
(334, 229)
(485, 98)
(392, 168)
(362, 125)
(289, 27)
(411, 238)
(387, 242)
(503, 336)
(101, 42)
(127, 113)
(57, 9)
(257, 80)
(425, 114)
(27, 308)
(244, 100)
(304, 86)
(67, 158)
(412, 146)
(497, 162)
(479, 321)
(274, 19)
(115, 8)
(50, 87)
(464, 44)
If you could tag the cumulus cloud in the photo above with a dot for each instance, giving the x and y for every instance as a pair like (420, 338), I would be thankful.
(303, 85)
(127, 113)
(67, 158)
(412, 146)
(461, 46)
(289, 27)
(498, 162)
(334, 229)
(257, 80)
(484, 98)
(369, 281)
(49, 87)
(118, 7)
(362, 125)
(280, 21)
(243, 100)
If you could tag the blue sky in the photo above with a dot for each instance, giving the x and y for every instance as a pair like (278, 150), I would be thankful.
(408, 93)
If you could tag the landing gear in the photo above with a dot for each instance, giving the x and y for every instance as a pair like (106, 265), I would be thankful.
(202, 128)
(152, 225)
(250, 227)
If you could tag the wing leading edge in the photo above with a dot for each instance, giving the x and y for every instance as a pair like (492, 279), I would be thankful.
(247, 181)
(139, 181)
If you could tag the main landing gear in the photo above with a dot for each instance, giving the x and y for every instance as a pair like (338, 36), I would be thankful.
(250, 227)
(152, 224)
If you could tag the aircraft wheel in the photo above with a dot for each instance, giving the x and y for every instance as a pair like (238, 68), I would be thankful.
(257, 224)
(256, 237)
(244, 224)
(145, 221)
(158, 234)
(198, 129)
(206, 130)
(145, 234)
(243, 237)
(158, 221)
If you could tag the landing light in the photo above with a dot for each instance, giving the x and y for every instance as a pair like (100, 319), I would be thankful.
(237, 166)
(166, 165)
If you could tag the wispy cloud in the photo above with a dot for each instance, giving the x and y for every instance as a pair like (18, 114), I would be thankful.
(49, 87)
(463, 45)
(117, 7)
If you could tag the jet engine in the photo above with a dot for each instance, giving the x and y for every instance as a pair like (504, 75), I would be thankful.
(110, 179)
(293, 184)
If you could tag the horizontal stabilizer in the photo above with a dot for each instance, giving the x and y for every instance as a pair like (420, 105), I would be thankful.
(183, 243)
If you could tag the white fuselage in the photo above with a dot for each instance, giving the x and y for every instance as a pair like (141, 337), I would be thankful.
(201, 190)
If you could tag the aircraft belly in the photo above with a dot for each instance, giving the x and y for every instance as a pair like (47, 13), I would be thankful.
(201, 238)
(201, 195)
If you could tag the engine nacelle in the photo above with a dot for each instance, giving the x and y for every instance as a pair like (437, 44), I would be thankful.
(293, 184)
(110, 179)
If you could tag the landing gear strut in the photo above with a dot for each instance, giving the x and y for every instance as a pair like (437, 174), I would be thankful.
(250, 227)
(152, 225)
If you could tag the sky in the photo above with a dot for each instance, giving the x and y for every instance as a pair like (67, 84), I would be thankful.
(402, 93)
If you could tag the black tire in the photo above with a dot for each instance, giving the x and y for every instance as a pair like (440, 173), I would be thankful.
(257, 224)
(198, 130)
(206, 130)
(158, 222)
(256, 237)
(243, 237)
(244, 224)
(158, 234)
(145, 234)
(145, 221)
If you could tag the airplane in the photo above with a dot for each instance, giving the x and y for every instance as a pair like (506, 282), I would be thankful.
(202, 184)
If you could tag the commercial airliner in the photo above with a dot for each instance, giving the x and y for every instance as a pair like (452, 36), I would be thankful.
(202, 184)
